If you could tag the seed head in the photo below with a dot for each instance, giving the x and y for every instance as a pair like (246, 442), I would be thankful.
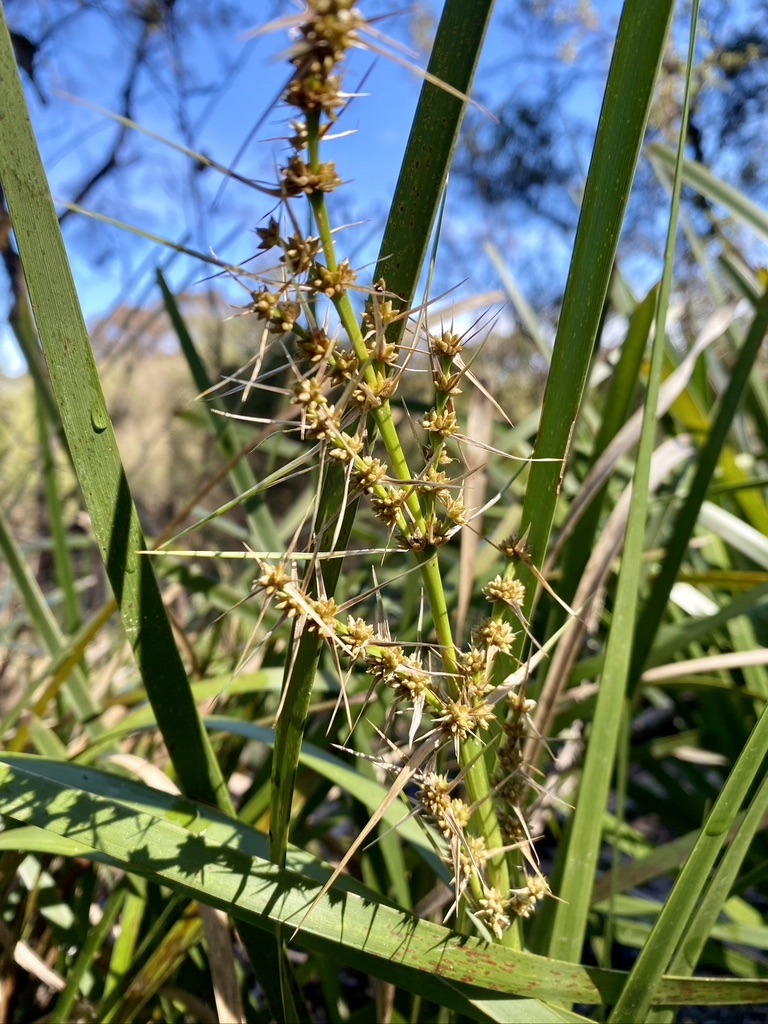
(459, 719)
(410, 682)
(378, 310)
(510, 591)
(270, 235)
(273, 578)
(522, 902)
(444, 423)
(520, 704)
(437, 482)
(321, 421)
(446, 345)
(389, 507)
(369, 473)
(435, 795)
(333, 283)
(383, 662)
(494, 911)
(473, 662)
(330, 29)
(345, 446)
(324, 620)
(309, 393)
(299, 254)
(516, 548)
(345, 366)
(299, 179)
(456, 511)
(372, 394)
(473, 853)
(380, 350)
(447, 383)
(316, 92)
(359, 635)
(497, 633)
(316, 346)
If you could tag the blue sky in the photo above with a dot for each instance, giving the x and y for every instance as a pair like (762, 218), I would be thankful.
(155, 195)
(160, 193)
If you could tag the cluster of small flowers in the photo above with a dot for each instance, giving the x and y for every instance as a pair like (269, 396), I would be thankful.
(329, 29)
(456, 711)
(495, 908)
(337, 391)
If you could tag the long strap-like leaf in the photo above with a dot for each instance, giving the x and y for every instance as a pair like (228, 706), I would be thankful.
(636, 60)
(79, 396)
(685, 521)
(431, 144)
(224, 863)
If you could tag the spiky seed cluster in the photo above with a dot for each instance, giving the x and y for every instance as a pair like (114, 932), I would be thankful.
(411, 683)
(379, 311)
(279, 313)
(333, 283)
(450, 814)
(469, 855)
(436, 482)
(389, 507)
(456, 718)
(496, 633)
(273, 578)
(323, 618)
(299, 254)
(456, 511)
(383, 662)
(435, 796)
(460, 719)
(443, 423)
(512, 782)
(336, 391)
(446, 383)
(371, 394)
(316, 346)
(278, 584)
(494, 910)
(346, 447)
(446, 345)
(330, 28)
(381, 351)
(300, 180)
(359, 635)
(270, 235)
(345, 366)
(369, 473)
(516, 549)
(510, 591)
(329, 31)
(473, 662)
(523, 901)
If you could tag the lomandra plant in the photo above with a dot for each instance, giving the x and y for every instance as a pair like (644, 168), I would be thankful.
(345, 377)
(456, 914)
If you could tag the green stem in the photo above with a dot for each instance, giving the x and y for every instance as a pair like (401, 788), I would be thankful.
(472, 757)
(317, 199)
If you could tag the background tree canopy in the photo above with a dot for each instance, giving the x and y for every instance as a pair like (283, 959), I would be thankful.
(528, 166)
(172, 66)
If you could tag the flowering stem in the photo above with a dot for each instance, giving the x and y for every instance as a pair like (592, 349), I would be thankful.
(472, 755)
(421, 507)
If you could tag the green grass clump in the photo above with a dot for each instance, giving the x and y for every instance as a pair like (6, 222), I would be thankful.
(376, 748)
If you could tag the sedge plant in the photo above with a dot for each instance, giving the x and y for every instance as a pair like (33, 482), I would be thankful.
(350, 603)
(463, 741)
